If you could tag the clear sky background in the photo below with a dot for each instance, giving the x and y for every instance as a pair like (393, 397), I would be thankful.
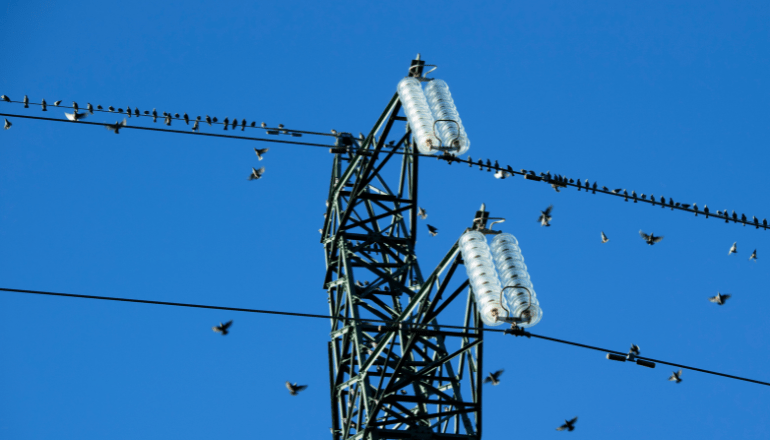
(669, 98)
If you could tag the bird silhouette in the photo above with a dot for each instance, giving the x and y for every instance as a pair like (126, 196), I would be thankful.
(56, 103)
(45, 105)
(110, 108)
(7, 123)
(422, 213)
(75, 116)
(753, 255)
(5, 98)
(633, 352)
(115, 128)
(569, 425)
(256, 174)
(676, 376)
(494, 378)
(650, 239)
(226, 122)
(195, 126)
(186, 119)
(208, 120)
(294, 389)
(733, 249)
(154, 115)
(432, 230)
(235, 123)
(90, 108)
(545, 216)
(168, 119)
(719, 298)
(604, 238)
(136, 111)
(261, 152)
(243, 124)
(26, 102)
(222, 328)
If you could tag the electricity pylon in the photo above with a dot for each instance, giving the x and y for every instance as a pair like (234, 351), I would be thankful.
(409, 379)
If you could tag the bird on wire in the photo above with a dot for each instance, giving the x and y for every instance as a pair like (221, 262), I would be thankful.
(222, 328)
(545, 216)
(422, 213)
(186, 119)
(115, 128)
(168, 119)
(90, 108)
(676, 376)
(110, 108)
(56, 103)
(261, 152)
(226, 122)
(7, 123)
(208, 120)
(256, 174)
(733, 249)
(75, 106)
(753, 255)
(569, 425)
(154, 115)
(650, 239)
(432, 230)
(494, 378)
(633, 352)
(44, 105)
(294, 389)
(5, 98)
(26, 101)
(195, 126)
(719, 298)
(75, 116)
(604, 238)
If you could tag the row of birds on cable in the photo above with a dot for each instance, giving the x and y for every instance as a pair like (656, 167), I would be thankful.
(224, 329)
(167, 117)
(558, 181)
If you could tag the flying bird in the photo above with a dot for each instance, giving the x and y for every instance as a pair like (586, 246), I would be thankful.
(753, 255)
(500, 174)
(733, 249)
(720, 299)
(75, 116)
(261, 152)
(604, 238)
(432, 230)
(555, 187)
(222, 328)
(650, 239)
(676, 376)
(294, 388)
(569, 425)
(545, 216)
(115, 128)
(256, 174)
(494, 378)
(7, 123)
(422, 213)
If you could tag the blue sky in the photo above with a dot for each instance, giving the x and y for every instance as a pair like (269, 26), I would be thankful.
(669, 98)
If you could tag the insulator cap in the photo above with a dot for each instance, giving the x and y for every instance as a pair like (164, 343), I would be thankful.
(616, 357)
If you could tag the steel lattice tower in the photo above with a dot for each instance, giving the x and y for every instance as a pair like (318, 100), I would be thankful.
(409, 380)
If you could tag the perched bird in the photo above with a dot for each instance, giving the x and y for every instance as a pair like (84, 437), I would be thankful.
(90, 108)
(214, 119)
(733, 249)
(26, 102)
(545, 216)
(256, 174)
(168, 119)
(45, 105)
(111, 108)
(706, 210)
(432, 230)
(720, 299)
(136, 111)
(676, 376)
(75, 106)
(56, 103)
(128, 111)
(422, 213)
(7, 123)
(120, 110)
(499, 174)
(222, 328)
(146, 112)
(115, 128)
(235, 123)
(569, 425)
(294, 388)
(99, 107)
(195, 126)
(75, 116)
(261, 152)
(263, 125)
(633, 351)
(5, 98)
(753, 255)
(650, 239)
(226, 122)
(604, 238)
(154, 115)
(186, 119)
(334, 132)
(494, 378)
(208, 120)
(253, 124)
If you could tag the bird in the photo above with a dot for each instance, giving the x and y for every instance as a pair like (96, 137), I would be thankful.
(243, 124)
(494, 378)
(650, 239)
(569, 425)
(753, 255)
(99, 107)
(719, 298)
(256, 174)
(26, 101)
(75, 116)
(168, 119)
(136, 111)
(115, 128)
(676, 376)
(7, 123)
(195, 126)
(111, 108)
(500, 174)
(263, 125)
(45, 105)
(294, 389)
(432, 230)
(214, 119)
(5, 98)
(154, 115)
(222, 328)
(422, 213)
(604, 238)
(226, 122)
(208, 120)
(555, 187)
(733, 249)
(90, 108)
(120, 110)
(706, 210)
(128, 111)
(235, 123)
(334, 132)
(75, 106)
(633, 351)
(545, 216)
(253, 124)
(56, 103)
(261, 152)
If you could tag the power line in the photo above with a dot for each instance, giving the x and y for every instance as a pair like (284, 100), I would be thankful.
(362, 320)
